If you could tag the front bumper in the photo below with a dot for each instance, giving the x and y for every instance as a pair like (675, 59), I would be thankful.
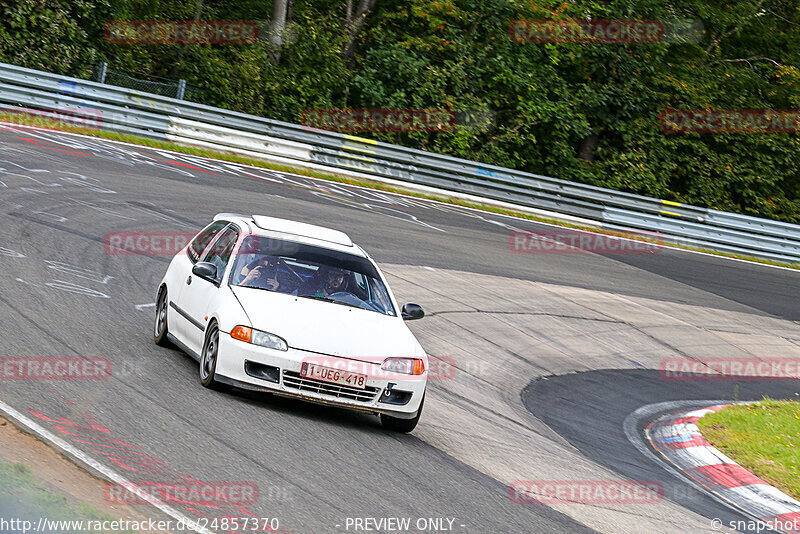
(251, 367)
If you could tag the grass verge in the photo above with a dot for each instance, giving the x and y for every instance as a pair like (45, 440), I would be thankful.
(764, 438)
(25, 497)
(44, 122)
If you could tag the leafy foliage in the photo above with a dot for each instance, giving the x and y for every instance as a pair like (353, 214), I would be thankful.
(586, 112)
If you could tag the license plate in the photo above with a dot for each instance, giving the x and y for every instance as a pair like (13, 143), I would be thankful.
(334, 376)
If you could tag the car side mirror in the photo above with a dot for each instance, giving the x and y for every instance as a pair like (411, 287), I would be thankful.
(412, 311)
(206, 271)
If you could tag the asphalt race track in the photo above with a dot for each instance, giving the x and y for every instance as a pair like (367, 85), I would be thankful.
(551, 351)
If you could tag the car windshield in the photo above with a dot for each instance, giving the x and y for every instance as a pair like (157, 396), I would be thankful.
(310, 272)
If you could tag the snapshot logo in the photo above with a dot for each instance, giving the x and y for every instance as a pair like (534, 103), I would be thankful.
(730, 121)
(146, 243)
(605, 31)
(564, 241)
(54, 368)
(586, 491)
(194, 492)
(721, 369)
(380, 120)
(789, 522)
(81, 117)
(132, 32)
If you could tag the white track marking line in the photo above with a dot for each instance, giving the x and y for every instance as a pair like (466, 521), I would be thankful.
(58, 218)
(107, 472)
(140, 307)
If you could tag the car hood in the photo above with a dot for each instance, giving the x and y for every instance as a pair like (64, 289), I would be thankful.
(328, 328)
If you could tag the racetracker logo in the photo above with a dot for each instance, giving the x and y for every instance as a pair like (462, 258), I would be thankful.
(195, 493)
(356, 372)
(181, 32)
(605, 31)
(380, 120)
(146, 243)
(444, 368)
(564, 241)
(55, 368)
(586, 491)
(721, 369)
(730, 121)
(47, 118)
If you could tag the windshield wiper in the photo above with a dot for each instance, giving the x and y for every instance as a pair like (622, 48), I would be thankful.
(318, 297)
(328, 299)
(257, 287)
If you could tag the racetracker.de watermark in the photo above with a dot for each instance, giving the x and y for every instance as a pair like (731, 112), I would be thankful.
(380, 120)
(438, 367)
(586, 491)
(133, 32)
(170, 242)
(605, 31)
(730, 121)
(54, 368)
(356, 372)
(721, 369)
(165, 242)
(82, 117)
(563, 241)
(196, 492)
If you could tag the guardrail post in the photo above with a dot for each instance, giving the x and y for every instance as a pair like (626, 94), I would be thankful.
(181, 89)
(101, 75)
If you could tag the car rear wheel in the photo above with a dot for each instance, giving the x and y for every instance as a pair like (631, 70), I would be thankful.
(208, 359)
(402, 425)
(161, 328)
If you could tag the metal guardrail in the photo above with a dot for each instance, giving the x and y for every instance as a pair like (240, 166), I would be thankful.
(154, 116)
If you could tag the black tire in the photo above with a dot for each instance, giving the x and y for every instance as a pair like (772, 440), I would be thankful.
(161, 328)
(208, 358)
(402, 425)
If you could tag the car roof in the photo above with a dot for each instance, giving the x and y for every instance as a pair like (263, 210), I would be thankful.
(297, 231)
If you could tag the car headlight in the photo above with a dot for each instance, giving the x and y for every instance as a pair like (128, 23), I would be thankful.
(257, 337)
(406, 366)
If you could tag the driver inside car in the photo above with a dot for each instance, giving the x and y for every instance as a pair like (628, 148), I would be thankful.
(261, 273)
(333, 281)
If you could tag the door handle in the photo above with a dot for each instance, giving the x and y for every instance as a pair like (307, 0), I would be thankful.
(189, 281)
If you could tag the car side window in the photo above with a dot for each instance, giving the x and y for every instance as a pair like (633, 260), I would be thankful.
(220, 252)
(379, 294)
(361, 289)
(201, 241)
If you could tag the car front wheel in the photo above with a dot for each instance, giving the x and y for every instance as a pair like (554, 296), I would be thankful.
(161, 328)
(402, 425)
(208, 359)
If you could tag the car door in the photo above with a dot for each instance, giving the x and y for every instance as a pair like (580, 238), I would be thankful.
(179, 271)
(199, 295)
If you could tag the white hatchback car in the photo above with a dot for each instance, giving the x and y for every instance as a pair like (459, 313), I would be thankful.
(293, 309)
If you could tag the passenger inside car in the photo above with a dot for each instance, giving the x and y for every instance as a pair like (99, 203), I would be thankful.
(261, 273)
